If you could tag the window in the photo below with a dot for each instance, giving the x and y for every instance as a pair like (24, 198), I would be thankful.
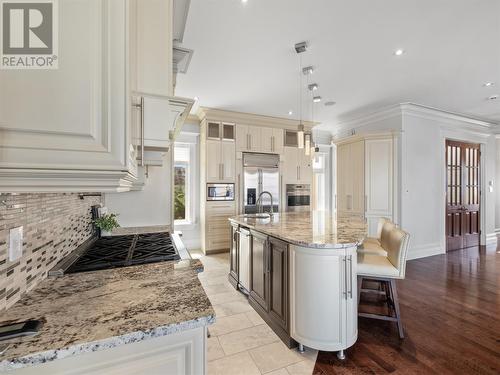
(319, 167)
(182, 183)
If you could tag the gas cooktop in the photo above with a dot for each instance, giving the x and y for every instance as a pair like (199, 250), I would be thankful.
(122, 251)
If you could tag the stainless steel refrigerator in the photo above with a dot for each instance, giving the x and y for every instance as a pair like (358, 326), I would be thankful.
(260, 173)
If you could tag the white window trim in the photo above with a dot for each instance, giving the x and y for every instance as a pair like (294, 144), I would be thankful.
(191, 191)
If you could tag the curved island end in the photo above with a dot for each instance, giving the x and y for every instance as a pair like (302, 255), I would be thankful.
(299, 271)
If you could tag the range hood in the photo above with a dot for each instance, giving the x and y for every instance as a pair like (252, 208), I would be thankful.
(160, 119)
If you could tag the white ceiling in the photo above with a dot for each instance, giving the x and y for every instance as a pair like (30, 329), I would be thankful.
(244, 58)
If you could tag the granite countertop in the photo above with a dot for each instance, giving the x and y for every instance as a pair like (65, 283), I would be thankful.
(91, 311)
(317, 229)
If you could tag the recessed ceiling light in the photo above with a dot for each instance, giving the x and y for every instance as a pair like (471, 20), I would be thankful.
(308, 70)
(399, 52)
(316, 99)
(493, 97)
(488, 84)
(244, 1)
(313, 86)
(330, 103)
(290, 113)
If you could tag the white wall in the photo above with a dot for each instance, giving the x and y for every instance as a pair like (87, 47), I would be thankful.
(420, 166)
(150, 206)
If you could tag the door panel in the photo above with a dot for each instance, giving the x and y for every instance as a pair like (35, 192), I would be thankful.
(267, 139)
(214, 162)
(259, 277)
(271, 183)
(462, 195)
(278, 303)
(228, 160)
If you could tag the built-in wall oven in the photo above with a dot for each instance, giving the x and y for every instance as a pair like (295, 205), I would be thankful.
(220, 192)
(298, 197)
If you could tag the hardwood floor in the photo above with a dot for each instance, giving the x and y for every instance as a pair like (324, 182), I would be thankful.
(450, 306)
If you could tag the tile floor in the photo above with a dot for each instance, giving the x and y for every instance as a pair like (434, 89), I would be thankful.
(241, 343)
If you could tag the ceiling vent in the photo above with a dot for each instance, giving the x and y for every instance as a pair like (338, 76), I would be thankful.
(181, 59)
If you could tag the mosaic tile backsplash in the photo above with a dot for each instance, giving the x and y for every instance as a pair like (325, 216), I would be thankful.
(53, 225)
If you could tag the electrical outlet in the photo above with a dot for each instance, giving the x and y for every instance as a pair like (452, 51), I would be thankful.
(15, 243)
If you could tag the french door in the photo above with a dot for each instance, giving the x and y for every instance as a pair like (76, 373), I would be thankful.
(463, 195)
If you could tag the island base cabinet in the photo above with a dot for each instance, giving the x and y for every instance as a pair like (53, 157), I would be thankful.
(323, 293)
(179, 353)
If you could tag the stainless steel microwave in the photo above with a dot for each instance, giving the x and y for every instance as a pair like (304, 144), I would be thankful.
(220, 192)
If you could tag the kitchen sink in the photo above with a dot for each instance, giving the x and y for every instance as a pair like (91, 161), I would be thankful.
(257, 216)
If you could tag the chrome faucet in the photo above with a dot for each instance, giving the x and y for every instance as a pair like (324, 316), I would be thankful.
(259, 203)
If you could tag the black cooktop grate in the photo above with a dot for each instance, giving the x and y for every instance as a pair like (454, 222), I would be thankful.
(122, 251)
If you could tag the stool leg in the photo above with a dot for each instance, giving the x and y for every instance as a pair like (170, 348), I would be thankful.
(395, 300)
(360, 285)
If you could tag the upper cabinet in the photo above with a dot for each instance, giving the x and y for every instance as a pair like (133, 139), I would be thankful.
(297, 166)
(78, 127)
(220, 131)
(272, 140)
(151, 25)
(259, 139)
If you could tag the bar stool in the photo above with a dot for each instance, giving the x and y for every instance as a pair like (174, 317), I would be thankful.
(377, 245)
(385, 270)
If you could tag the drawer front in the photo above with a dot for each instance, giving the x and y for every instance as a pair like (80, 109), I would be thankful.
(218, 243)
(218, 225)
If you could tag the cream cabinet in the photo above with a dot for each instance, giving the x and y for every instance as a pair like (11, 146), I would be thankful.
(220, 161)
(216, 229)
(87, 135)
(365, 178)
(350, 179)
(321, 323)
(69, 129)
(248, 138)
(272, 140)
(151, 23)
(297, 167)
(181, 353)
(379, 180)
(221, 131)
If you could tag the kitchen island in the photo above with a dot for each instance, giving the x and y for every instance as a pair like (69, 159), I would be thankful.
(299, 271)
(145, 318)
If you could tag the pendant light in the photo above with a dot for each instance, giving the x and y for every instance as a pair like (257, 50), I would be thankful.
(300, 48)
(307, 144)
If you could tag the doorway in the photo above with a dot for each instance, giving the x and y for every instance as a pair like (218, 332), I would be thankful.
(463, 195)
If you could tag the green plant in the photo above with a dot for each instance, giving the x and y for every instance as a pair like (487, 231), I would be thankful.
(179, 203)
(107, 222)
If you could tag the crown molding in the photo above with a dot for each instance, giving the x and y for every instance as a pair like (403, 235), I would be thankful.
(242, 118)
(445, 118)
(454, 118)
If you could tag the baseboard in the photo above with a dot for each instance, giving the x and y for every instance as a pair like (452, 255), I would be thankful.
(492, 238)
(423, 251)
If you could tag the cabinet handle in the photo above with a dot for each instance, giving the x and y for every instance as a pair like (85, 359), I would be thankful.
(366, 201)
(297, 172)
(268, 257)
(222, 170)
(248, 141)
(140, 107)
(250, 138)
(349, 259)
(345, 277)
(272, 143)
